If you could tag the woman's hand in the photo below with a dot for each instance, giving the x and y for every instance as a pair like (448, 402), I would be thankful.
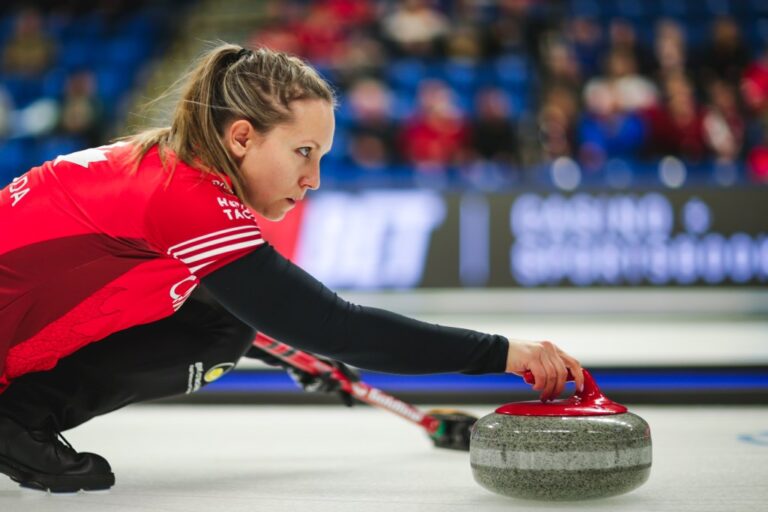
(548, 364)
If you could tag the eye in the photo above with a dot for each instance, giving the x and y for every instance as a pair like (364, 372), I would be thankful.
(305, 151)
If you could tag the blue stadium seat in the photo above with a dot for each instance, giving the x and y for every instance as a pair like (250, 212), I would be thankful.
(339, 148)
(6, 27)
(52, 147)
(627, 9)
(720, 7)
(89, 26)
(14, 158)
(757, 34)
(511, 71)
(344, 113)
(462, 75)
(645, 29)
(585, 8)
(53, 83)
(757, 7)
(23, 90)
(465, 101)
(698, 34)
(326, 71)
(519, 101)
(140, 26)
(403, 104)
(112, 83)
(486, 74)
(406, 73)
(127, 52)
(706, 9)
(743, 10)
(78, 54)
(671, 8)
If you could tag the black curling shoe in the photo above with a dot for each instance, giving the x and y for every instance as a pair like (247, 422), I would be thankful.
(39, 459)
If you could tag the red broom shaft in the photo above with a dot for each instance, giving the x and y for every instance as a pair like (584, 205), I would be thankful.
(359, 390)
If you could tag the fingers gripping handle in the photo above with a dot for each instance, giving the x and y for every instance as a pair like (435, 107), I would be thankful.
(530, 379)
(589, 391)
(590, 401)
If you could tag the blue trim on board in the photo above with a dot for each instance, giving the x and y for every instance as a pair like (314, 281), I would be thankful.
(266, 381)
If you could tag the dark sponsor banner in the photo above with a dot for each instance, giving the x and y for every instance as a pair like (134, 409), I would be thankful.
(420, 238)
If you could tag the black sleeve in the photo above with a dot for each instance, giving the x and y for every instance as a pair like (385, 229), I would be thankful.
(276, 297)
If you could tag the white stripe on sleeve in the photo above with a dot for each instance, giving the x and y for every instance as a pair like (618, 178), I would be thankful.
(222, 250)
(209, 236)
(246, 234)
(207, 249)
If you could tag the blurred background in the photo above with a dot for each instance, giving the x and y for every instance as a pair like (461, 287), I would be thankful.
(591, 172)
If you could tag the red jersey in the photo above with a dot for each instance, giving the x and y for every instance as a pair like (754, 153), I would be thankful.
(90, 246)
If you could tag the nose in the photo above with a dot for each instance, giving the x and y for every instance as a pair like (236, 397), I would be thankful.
(312, 179)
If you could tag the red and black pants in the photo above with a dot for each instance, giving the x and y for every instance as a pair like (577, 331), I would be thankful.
(157, 360)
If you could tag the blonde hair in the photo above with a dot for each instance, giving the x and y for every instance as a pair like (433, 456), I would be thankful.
(229, 83)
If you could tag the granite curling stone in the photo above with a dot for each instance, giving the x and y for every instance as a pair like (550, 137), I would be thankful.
(584, 447)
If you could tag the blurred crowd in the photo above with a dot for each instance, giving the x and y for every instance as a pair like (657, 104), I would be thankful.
(478, 93)
(66, 68)
(490, 91)
(28, 54)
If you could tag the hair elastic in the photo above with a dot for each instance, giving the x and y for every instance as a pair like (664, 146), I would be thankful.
(244, 52)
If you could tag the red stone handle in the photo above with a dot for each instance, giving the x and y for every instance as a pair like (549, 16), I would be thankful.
(590, 401)
(589, 393)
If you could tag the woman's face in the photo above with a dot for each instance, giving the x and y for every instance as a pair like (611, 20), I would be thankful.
(279, 167)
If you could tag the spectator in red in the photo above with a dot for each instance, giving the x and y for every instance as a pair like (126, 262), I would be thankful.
(757, 161)
(352, 13)
(754, 84)
(724, 126)
(278, 36)
(321, 36)
(678, 127)
(436, 137)
(279, 31)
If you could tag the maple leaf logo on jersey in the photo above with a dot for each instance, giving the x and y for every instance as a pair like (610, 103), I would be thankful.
(85, 157)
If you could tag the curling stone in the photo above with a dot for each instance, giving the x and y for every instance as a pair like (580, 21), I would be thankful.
(583, 447)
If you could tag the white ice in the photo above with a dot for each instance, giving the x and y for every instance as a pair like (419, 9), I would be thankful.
(325, 458)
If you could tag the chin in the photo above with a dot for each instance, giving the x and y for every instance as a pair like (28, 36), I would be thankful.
(273, 215)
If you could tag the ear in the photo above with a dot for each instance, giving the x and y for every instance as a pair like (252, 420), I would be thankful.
(239, 136)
